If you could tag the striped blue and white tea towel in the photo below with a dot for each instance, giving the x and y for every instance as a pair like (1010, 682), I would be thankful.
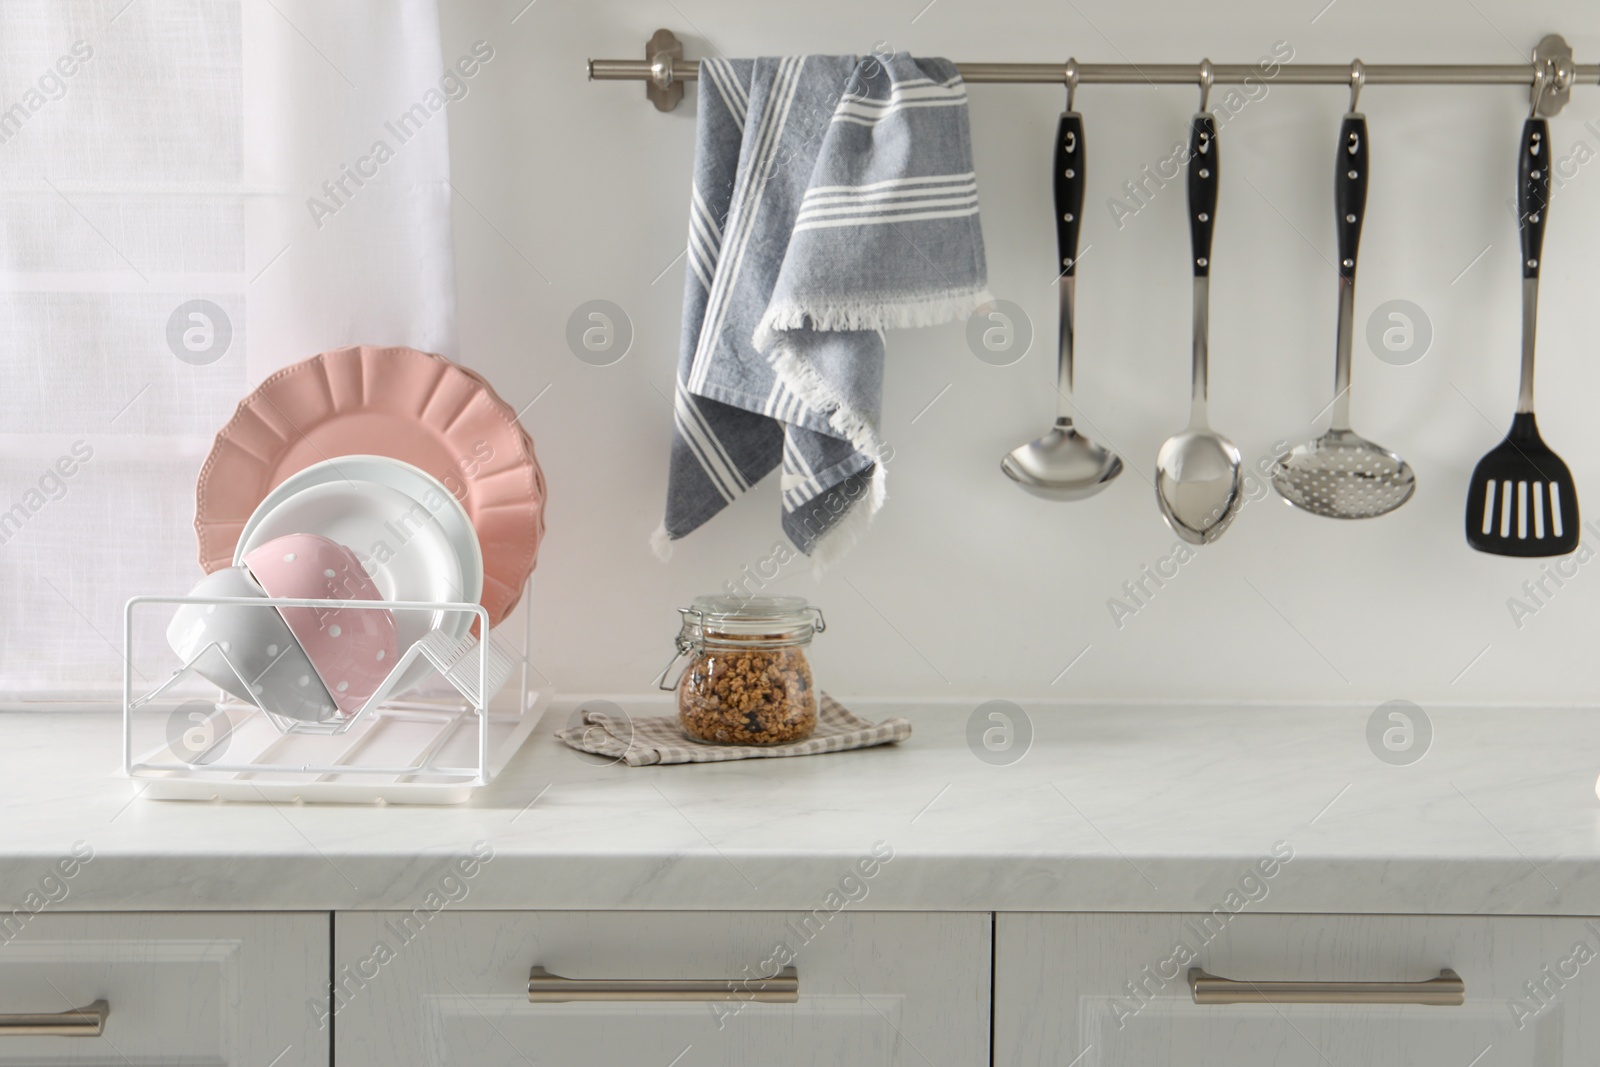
(834, 198)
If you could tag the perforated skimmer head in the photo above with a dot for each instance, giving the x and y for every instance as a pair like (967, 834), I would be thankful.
(1341, 475)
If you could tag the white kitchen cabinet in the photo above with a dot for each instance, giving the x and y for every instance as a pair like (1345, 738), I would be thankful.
(1105, 990)
(875, 990)
(192, 989)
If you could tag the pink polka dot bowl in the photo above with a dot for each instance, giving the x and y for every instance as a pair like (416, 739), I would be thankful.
(352, 649)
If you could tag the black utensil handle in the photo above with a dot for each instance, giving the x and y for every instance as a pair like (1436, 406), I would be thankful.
(1533, 192)
(1202, 190)
(1069, 190)
(1350, 190)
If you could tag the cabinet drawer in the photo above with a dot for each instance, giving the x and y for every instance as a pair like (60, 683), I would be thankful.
(199, 989)
(1113, 990)
(452, 989)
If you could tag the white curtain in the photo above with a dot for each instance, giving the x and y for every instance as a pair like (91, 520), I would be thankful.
(191, 196)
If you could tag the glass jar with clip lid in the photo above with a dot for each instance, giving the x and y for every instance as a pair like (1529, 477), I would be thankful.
(748, 681)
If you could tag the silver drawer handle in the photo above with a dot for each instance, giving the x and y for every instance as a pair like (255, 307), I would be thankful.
(547, 988)
(1447, 990)
(79, 1022)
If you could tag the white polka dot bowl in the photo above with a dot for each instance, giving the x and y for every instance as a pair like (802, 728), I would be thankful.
(249, 651)
(352, 649)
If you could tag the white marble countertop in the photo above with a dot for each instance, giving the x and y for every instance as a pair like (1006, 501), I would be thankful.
(1112, 809)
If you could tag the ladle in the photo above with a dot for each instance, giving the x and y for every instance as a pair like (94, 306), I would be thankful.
(1064, 464)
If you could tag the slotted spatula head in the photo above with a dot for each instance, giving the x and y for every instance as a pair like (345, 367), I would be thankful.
(1522, 500)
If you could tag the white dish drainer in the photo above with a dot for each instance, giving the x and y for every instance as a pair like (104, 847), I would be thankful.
(422, 749)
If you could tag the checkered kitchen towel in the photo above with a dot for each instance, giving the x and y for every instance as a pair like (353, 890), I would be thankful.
(834, 197)
(659, 739)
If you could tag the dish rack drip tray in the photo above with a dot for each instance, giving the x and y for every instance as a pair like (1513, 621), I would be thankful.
(416, 753)
(183, 739)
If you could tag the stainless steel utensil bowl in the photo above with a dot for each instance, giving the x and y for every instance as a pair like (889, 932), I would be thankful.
(1342, 475)
(1061, 465)
(1198, 484)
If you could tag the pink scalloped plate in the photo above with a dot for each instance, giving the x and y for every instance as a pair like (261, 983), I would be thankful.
(398, 402)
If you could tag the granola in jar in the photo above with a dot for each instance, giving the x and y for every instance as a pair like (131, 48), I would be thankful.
(748, 681)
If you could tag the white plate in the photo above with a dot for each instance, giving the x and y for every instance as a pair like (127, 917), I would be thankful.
(401, 545)
(415, 482)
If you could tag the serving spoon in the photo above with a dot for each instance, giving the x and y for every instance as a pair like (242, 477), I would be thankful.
(1064, 464)
(1198, 484)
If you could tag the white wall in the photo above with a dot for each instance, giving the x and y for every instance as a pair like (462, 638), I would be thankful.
(967, 587)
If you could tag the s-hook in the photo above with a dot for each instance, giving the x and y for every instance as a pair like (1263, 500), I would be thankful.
(1071, 78)
(1543, 76)
(1208, 77)
(1358, 78)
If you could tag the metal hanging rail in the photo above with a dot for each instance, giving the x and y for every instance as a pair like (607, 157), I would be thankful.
(665, 70)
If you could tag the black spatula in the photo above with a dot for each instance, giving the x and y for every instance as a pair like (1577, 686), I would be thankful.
(1522, 500)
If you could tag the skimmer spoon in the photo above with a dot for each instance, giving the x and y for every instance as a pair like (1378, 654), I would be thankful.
(1341, 475)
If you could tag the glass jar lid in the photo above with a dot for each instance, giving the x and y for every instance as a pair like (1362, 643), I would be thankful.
(748, 622)
(777, 619)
